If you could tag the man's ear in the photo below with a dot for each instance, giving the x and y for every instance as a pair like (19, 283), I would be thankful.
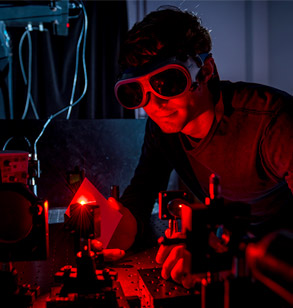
(207, 69)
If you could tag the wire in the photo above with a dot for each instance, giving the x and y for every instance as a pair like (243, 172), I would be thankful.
(29, 73)
(27, 82)
(10, 87)
(83, 33)
(7, 142)
(75, 74)
(84, 90)
(73, 6)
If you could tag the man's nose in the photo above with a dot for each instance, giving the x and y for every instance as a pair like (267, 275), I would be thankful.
(155, 102)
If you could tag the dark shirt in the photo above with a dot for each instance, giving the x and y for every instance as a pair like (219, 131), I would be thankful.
(249, 146)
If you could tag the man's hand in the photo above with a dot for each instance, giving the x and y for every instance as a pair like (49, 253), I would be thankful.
(176, 260)
(125, 233)
(110, 255)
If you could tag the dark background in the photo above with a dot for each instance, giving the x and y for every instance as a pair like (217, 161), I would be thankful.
(106, 150)
(53, 64)
(101, 139)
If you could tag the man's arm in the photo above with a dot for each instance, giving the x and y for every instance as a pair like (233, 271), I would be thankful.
(151, 176)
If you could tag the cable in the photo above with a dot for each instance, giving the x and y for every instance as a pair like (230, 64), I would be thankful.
(29, 98)
(82, 95)
(76, 72)
(10, 90)
(29, 73)
(74, 6)
(27, 82)
(83, 33)
(10, 86)
(6, 143)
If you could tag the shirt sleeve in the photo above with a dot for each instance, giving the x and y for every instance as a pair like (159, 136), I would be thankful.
(151, 176)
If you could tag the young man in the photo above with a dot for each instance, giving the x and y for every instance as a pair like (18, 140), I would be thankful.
(199, 125)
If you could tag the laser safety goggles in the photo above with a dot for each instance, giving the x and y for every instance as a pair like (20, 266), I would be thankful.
(168, 79)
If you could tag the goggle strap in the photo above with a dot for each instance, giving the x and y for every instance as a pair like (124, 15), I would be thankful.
(203, 56)
(193, 66)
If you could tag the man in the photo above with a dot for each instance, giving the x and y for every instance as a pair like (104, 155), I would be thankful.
(200, 125)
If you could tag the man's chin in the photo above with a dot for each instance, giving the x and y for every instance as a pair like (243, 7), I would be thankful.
(169, 129)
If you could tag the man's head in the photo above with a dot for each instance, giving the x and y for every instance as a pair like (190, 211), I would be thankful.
(162, 34)
(166, 70)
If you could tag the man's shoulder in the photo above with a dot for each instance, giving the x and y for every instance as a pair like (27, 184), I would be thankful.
(254, 97)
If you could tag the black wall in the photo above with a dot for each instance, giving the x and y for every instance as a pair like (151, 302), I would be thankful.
(107, 151)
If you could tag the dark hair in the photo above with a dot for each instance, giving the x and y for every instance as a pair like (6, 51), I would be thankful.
(164, 33)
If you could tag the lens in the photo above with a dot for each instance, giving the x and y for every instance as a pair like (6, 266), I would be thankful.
(170, 82)
(130, 94)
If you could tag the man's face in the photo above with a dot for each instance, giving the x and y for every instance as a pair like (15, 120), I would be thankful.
(167, 95)
(180, 114)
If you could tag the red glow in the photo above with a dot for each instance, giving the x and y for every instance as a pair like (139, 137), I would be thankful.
(40, 210)
(82, 200)
(85, 199)
(80, 254)
(260, 262)
(207, 201)
(226, 238)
